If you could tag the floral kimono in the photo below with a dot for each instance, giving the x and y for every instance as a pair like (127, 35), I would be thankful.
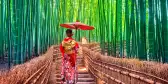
(68, 49)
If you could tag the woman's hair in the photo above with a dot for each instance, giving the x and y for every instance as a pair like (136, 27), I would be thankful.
(68, 31)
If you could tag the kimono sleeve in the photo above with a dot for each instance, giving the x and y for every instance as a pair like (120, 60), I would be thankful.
(76, 45)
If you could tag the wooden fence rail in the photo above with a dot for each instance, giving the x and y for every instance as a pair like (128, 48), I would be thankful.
(36, 71)
(115, 74)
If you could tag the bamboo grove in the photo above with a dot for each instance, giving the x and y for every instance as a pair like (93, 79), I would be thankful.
(28, 28)
(134, 28)
(131, 28)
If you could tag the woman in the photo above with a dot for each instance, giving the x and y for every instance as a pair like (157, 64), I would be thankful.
(68, 49)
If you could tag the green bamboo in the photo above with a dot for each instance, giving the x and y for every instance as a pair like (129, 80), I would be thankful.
(37, 26)
(112, 27)
(9, 33)
(2, 28)
(128, 32)
(120, 25)
(164, 30)
(132, 28)
(142, 54)
(108, 27)
(151, 31)
(137, 28)
(117, 27)
(158, 48)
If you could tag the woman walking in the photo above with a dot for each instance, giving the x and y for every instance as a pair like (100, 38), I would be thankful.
(69, 49)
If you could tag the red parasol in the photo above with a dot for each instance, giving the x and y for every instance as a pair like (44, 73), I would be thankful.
(77, 25)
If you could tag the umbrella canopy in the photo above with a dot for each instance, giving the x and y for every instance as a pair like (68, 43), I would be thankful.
(77, 25)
